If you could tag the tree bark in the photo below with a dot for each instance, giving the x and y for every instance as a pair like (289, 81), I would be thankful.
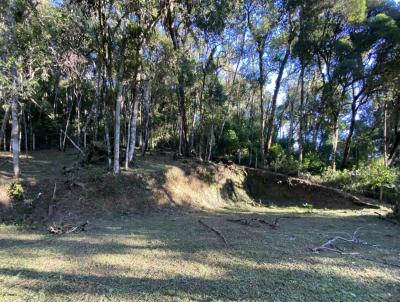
(4, 123)
(335, 139)
(262, 109)
(275, 98)
(117, 122)
(146, 118)
(349, 137)
(301, 120)
(14, 136)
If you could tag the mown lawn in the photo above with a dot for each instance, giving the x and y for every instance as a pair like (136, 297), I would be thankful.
(172, 257)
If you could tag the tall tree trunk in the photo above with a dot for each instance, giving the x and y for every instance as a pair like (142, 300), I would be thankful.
(275, 98)
(349, 137)
(182, 111)
(117, 122)
(146, 113)
(14, 136)
(107, 137)
(5, 122)
(211, 142)
(291, 125)
(14, 101)
(70, 107)
(385, 158)
(93, 109)
(25, 133)
(262, 109)
(133, 123)
(301, 120)
(335, 139)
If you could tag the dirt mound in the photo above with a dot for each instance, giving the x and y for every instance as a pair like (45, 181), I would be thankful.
(180, 184)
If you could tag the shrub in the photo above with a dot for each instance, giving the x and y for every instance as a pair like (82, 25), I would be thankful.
(367, 179)
(16, 191)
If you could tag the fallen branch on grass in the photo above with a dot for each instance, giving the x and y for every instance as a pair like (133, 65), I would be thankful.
(67, 229)
(329, 245)
(256, 222)
(214, 230)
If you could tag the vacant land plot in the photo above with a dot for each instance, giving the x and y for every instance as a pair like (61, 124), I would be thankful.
(173, 257)
(168, 255)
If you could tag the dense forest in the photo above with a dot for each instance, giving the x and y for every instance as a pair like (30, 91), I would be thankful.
(301, 87)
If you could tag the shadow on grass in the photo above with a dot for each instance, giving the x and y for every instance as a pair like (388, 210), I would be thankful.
(260, 263)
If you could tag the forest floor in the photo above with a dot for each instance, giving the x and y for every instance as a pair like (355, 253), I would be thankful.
(168, 255)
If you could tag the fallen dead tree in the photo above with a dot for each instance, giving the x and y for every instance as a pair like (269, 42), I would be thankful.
(219, 234)
(330, 244)
(256, 222)
(67, 228)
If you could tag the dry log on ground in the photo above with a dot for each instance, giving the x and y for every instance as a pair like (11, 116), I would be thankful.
(215, 231)
(329, 245)
(67, 229)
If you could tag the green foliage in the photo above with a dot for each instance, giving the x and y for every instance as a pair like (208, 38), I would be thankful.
(367, 179)
(309, 207)
(313, 163)
(282, 162)
(230, 141)
(16, 191)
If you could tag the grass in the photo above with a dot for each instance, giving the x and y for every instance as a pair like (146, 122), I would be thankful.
(168, 256)
(171, 257)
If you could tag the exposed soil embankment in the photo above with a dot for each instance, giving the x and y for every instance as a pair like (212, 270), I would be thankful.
(282, 190)
(156, 185)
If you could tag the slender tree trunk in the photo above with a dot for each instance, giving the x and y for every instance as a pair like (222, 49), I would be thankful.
(349, 137)
(128, 139)
(93, 109)
(5, 122)
(146, 112)
(275, 98)
(133, 122)
(14, 101)
(335, 139)
(14, 136)
(25, 133)
(291, 125)
(301, 121)
(182, 110)
(211, 142)
(117, 122)
(67, 123)
(107, 137)
(385, 157)
(262, 109)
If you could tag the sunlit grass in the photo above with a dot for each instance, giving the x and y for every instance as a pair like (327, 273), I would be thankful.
(173, 258)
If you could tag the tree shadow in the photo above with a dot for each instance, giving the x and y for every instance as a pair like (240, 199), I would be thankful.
(259, 264)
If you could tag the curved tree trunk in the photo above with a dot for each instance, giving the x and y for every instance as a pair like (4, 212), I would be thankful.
(271, 118)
